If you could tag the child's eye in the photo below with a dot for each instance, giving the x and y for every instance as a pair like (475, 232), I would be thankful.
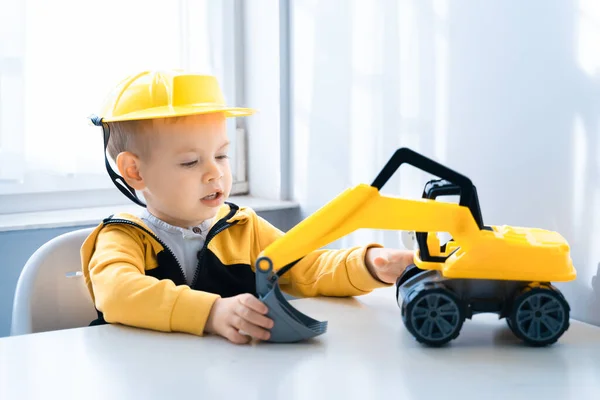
(223, 157)
(189, 164)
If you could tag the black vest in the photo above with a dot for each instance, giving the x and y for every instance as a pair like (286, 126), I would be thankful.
(211, 274)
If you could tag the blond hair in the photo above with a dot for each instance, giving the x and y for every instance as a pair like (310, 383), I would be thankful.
(132, 136)
(128, 136)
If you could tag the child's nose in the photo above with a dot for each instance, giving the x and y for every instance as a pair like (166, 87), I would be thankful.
(214, 172)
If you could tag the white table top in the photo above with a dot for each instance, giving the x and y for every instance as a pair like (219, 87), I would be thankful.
(366, 353)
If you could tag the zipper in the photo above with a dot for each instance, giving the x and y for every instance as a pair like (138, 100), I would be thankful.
(127, 222)
(220, 226)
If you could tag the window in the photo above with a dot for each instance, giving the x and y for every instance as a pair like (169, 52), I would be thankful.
(59, 60)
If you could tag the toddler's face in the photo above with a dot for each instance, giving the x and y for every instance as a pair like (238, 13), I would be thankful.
(187, 173)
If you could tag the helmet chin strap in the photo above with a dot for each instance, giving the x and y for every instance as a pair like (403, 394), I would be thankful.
(116, 178)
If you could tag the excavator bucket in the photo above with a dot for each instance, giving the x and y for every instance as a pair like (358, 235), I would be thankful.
(290, 325)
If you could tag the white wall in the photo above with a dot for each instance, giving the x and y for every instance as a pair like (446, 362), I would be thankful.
(504, 91)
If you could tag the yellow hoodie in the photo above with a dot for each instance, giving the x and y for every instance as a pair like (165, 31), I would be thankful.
(134, 279)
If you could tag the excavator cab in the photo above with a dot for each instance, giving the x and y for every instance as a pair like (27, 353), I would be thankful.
(428, 241)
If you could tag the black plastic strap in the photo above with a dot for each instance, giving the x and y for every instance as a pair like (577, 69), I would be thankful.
(116, 178)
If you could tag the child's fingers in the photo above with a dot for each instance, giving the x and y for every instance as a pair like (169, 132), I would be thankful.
(234, 336)
(253, 303)
(251, 329)
(401, 257)
(253, 317)
(380, 261)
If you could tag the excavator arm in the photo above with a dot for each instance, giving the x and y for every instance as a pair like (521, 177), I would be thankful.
(363, 207)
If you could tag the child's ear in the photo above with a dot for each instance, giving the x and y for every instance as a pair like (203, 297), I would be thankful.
(129, 168)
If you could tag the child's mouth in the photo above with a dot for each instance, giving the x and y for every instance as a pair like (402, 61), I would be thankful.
(212, 200)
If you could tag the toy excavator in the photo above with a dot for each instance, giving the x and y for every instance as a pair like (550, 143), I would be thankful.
(481, 269)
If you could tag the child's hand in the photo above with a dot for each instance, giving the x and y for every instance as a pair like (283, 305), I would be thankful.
(244, 313)
(388, 264)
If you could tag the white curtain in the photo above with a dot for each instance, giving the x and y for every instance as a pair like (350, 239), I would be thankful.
(504, 91)
(361, 91)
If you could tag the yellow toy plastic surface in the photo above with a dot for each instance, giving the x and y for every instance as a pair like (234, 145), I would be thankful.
(155, 94)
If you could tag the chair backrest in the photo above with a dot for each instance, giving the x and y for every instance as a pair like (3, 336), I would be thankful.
(51, 293)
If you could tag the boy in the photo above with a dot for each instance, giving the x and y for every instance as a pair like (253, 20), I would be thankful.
(187, 264)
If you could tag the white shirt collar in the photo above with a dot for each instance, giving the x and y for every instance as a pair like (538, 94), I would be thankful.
(192, 231)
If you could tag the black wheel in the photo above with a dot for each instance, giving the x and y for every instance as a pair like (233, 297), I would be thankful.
(409, 272)
(539, 316)
(434, 316)
(509, 323)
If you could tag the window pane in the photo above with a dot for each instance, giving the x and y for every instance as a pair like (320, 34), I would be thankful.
(12, 40)
(58, 61)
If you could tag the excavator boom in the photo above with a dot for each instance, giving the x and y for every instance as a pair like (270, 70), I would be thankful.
(364, 207)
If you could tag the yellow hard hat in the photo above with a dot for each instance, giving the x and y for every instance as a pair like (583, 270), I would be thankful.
(163, 94)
